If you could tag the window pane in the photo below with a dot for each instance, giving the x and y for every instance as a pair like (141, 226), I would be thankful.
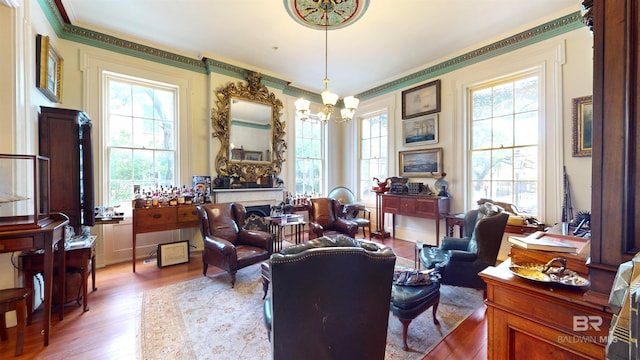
(119, 98)
(526, 125)
(481, 104)
(142, 101)
(526, 94)
(481, 137)
(503, 99)
(120, 131)
(163, 135)
(503, 131)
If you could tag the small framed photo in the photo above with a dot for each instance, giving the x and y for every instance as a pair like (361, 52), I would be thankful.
(420, 131)
(48, 69)
(582, 126)
(421, 100)
(421, 163)
(253, 155)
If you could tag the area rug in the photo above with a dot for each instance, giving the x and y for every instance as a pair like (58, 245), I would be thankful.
(205, 318)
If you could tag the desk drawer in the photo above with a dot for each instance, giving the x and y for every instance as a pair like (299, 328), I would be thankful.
(187, 214)
(156, 216)
(16, 244)
(407, 206)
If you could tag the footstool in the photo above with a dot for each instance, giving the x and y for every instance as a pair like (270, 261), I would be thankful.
(407, 302)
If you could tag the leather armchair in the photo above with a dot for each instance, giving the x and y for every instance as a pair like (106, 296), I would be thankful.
(352, 211)
(320, 308)
(226, 244)
(461, 259)
(324, 219)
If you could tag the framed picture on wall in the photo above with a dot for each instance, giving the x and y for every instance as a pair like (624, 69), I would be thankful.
(582, 125)
(421, 100)
(420, 131)
(48, 69)
(421, 163)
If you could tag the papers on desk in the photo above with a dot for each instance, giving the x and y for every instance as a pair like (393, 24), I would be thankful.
(543, 241)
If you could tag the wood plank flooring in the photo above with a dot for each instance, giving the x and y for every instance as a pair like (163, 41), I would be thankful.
(109, 329)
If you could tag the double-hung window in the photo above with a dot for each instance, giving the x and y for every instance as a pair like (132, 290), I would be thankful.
(504, 163)
(374, 147)
(310, 159)
(141, 122)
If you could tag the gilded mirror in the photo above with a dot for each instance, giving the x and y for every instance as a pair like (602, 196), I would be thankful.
(247, 123)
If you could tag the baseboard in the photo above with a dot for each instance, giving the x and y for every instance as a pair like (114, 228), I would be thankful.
(173, 253)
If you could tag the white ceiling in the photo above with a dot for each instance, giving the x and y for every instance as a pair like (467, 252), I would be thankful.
(393, 38)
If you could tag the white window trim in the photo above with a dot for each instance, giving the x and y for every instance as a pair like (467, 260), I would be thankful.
(93, 65)
(369, 109)
(548, 59)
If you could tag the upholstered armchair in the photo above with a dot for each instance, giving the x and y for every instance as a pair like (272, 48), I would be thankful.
(461, 259)
(324, 219)
(226, 244)
(351, 210)
(329, 299)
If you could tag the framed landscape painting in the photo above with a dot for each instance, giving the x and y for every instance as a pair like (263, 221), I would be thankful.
(421, 163)
(420, 131)
(582, 125)
(421, 100)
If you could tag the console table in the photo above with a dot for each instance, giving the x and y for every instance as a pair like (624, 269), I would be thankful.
(147, 220)
(43, 238)
(537, 321)
(422, 206)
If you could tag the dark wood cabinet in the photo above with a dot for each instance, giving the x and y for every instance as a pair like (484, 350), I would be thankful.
(65, 138)
(615, 205)
(427, 207)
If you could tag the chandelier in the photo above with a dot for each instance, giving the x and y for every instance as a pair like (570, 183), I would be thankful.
(329, 99)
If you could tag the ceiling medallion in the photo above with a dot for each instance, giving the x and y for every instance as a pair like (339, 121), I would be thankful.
(340, 13)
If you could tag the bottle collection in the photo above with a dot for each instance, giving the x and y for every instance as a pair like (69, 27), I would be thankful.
(170, 196)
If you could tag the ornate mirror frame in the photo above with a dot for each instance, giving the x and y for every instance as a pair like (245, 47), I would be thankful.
(254, 91)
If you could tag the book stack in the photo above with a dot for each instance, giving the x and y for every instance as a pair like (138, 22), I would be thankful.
(540, 247)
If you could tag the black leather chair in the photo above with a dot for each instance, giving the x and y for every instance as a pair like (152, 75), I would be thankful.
(463, 258)
(329, 299)
(226, 244)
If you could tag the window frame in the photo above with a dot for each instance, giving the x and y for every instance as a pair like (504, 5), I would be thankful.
(540, 144)
(323, 154)
(108, 76)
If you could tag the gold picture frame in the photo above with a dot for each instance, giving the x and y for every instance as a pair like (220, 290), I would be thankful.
(421, 163)
(421, 100)
(582, 126)
(48, 69)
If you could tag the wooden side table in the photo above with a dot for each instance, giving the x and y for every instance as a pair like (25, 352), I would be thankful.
(452, 220)
(81, 255)
(278, 229)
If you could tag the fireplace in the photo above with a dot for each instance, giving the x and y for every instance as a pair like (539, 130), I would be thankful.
(257, 202)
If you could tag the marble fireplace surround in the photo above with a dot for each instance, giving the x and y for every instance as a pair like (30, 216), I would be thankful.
(254, 197)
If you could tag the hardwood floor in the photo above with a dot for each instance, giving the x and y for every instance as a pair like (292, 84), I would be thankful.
(109, 329)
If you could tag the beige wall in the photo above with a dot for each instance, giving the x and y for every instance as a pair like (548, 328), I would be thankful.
(566, 60)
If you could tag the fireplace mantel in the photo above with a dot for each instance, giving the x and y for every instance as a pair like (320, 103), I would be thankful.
(249, 197)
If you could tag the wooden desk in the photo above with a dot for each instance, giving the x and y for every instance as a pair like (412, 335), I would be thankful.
(422, 206)
(81, 256)
(453, 220)
(529, 320)
(147, 220)
(43, 238)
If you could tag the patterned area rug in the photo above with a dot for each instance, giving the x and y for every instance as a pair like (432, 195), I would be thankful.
(205, 318)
